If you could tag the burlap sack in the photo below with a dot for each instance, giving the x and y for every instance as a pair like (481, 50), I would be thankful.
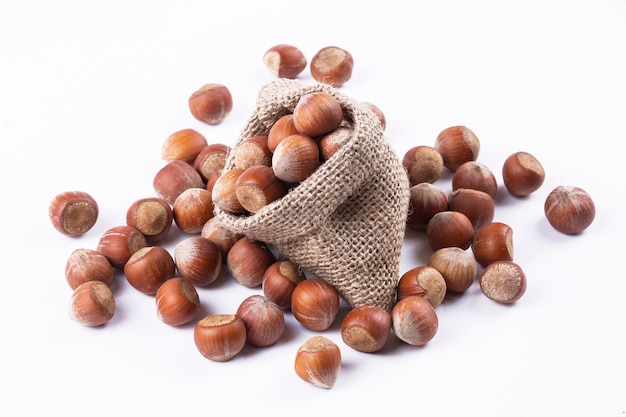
(346, 222)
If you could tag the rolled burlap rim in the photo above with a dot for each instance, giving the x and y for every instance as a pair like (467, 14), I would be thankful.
(345, 223)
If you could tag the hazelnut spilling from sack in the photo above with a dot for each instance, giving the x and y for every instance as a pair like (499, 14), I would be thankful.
(344, 222)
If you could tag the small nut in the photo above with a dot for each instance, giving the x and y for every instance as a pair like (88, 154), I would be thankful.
(192, 209)
(457, 145)
(211, 103)
(449, 228)
(423, 164)
(457, 266)
(248, 260)
(211, 159)
(285, 61)
(220, 337)
(152, 216)
(279, 280)
(92, 304)
(251, 152)
(119, 243)
(264, 320)
(73, 213)
(414, 320)
(425, 200)
(84, 265)
(184, 145)
(296, 157)
(257, 186)
(332, 65)
(425, 281)
(522, 174)
(366, 328)
(148, 268)
(503, 282)
(281, 128)
(569, 209)
(317, 113)
(318, 362)
(476, 176)
(198, 260)
(315, 304)
(177, 302)
(174, 178)
(478, 206)
(333, 140)
(493, 242)
(220, 235)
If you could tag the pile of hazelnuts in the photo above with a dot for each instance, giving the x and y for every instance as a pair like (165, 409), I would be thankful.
(193, 182)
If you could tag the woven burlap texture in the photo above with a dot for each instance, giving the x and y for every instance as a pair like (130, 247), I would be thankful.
(345, 223)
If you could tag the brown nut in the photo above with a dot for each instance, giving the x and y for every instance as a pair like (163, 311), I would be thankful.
(264, 320)
(522, 174)
(184, 145)
(92, 304)
(220, 337)
(296, 157)
(333, 140)
(478, 206)
(152, 216)
(424, 281)
(174, 178)
(493, 242)
(221, 236)
(281, 128)
(366, 328)
(223, 193)
(84, 265)
(198, 260)
(414, 320)
(317, 113)
(315, 304)
(569, 209)
(318, 362)
(503, 282)
(423, 164)
(148, 268)
(257, 186)
(457, 145)
(177, 302)
(279, 280)
(119, 243)
(332, 65)
(248, 260)
(251, 152)
(476, 176)
(285, 61)
(457, 266)
(73, 213)
(449, 228)
(192, 209)
(425, 200)
(211, 159)
(211, 103)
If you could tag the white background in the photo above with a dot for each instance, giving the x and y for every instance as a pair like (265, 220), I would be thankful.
(90, 90)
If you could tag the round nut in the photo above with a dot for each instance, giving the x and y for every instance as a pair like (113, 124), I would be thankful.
(493, 242)
(424, 281)
(248, 260)
(503, 282)
(148, 268)
(285, 61)
(522, 174)
(296, 157)
(366, 328)
(211, 103)
(332, 65)
(224, 194)
(478, 206)
(423, 164)
(192, 209)
(425, 200)
(198, 260)
(317, 113)
(315, 304)
(318, 362)
(220, 337)
(184, 145)
(569, 209)
(251, 152)
(73, 213)
(264, 320)
(457, 266)
(257, 186)
(476, 176)
(85, 265)
(177, 302)
(457, 145)
(152, 216)
(174, 178)
(211, 159)
(279, 280)
(92, 304)
(449, 228)
(414, 320)
(119, 243)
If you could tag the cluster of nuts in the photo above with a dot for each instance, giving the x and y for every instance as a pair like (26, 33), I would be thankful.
(193, 182)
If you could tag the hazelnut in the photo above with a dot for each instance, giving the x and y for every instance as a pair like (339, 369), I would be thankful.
(423, 164)
(221, 236)
(414, 320)
(366, 328)
(220, 337)
(73, 213)
(174, 178)
(315, 304)
(503, 281)
(333, 140)
(478, 206)
(92, 304)
(119, 243)
(251, 152)
(493, 242)
(198, 260)
(449, 228)
(281, 128)
(285, 61)
(211, 103)
(332, 65)
(247, 261)
(317, 113)
(184, 144)
(318, 362)
(425, 200)
(279, 280)
(211, 159)
(264, 320)
(148, 268)
(257, 186)
(457, 145)
(223, 193)
(84, 265)
(522, 174)
(378, 113)
(476, 176)
(152, 216)
(192, 209)
(177, 302)
(425, 281)
(295, 158)
(457, 266)
(569, 209)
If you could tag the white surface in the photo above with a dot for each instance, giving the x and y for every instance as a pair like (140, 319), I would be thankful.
(89, 91)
